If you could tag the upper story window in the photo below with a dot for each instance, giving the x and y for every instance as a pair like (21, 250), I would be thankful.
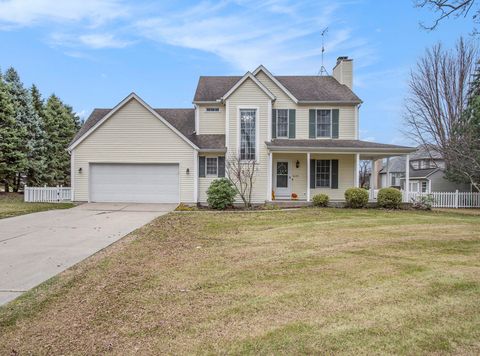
(212, 109)
(282, 123)
(248, 119)
(212, 166)
(324, 123)
(423, 164)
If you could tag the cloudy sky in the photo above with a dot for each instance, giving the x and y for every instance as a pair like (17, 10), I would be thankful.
(92, 53)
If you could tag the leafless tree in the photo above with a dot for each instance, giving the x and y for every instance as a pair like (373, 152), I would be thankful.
(439, 96)
(242, 175)
(365, 171)
(446, 8)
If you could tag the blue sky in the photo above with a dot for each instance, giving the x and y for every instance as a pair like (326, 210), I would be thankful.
(92, 53)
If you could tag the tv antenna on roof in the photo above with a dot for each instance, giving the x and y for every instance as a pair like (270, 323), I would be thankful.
(323, 70)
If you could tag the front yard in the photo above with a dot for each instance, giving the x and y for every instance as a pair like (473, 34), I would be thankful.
(307, 281)
(12, 204)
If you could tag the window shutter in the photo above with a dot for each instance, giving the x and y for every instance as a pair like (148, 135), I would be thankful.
(334, 174)
(311, 124)
(274, 123)
(335, 119)
(201, 166)
(221, 166)
(291, 123)
(313, 169)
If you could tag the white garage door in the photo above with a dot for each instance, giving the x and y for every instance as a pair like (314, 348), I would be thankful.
(137, 183)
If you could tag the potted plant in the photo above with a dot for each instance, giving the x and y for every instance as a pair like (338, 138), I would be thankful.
(294, 196)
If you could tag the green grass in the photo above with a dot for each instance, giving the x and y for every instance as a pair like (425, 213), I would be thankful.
(12, 204)
(311, 281)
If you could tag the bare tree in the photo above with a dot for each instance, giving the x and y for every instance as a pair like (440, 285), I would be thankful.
(365, 171)
(439, 96)
(446, 8)
(242, 175)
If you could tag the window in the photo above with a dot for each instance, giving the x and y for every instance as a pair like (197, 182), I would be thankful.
(212, 166)
(248, 134)
(322, 173)
(414, 187)
(212, 109)
(324, 123)
(396, 178)
(282, 123)
(424, 186)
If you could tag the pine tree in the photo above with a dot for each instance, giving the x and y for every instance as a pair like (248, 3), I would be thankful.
(12, 158)
(61, 124)
(19, 97)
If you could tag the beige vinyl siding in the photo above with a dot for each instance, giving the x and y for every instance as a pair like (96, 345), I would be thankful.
(134, 135)
(300, 181)
(347, 126)
(249, 95)
(211, 122)
(204, 182)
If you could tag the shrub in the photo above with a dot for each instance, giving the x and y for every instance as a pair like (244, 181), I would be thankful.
(185, 207)
(320, 200)
(389, 198)
(356, 197)
(220, 194)
(423, 202)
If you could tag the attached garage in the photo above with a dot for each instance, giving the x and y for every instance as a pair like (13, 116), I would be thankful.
(137, 183)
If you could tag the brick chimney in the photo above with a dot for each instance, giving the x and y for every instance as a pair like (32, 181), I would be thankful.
(343, 71)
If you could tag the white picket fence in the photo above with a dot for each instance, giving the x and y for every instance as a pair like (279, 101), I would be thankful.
(448, 199)
(47, 194)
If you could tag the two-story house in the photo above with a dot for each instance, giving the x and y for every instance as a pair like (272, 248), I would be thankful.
(301, 130)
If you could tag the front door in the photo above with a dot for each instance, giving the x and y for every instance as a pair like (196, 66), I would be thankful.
(282, 179)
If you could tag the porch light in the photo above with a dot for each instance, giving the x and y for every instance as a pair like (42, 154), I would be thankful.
(188, 170)
(80, 170)
(297, 164)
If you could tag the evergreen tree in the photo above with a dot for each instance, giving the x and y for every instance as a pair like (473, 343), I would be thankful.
(61, 124)
(12, 158)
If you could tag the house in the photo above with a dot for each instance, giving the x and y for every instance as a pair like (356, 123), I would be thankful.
(301, 130)
(427, 173)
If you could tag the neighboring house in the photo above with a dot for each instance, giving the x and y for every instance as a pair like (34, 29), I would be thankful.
(301, 130)
(427, 173)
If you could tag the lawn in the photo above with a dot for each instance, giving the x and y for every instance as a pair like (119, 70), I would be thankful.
(310, 281)
(12, 204)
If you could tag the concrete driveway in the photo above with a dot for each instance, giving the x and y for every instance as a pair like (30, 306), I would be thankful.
(38, 246)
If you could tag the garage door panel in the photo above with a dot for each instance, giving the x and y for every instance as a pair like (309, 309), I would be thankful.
(139, 183)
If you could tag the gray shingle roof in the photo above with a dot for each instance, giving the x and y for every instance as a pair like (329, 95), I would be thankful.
(182, 119)
(422, 173)
(325, 143)
(305, 88)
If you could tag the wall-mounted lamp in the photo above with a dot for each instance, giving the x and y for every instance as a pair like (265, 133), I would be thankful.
(297, 164)
(188, 170)
(80, 170)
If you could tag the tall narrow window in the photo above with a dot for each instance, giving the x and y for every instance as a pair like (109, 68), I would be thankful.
(282, 123)
(324, 123)
(212, 166)
(248, 118)
(322, 173)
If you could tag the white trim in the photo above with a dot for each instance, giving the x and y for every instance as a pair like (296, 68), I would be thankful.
(289, 175)
(357, 129)
(342, 150)
(195, 177)
(269, 131)
(270, 173)
(275, 80)
(206, 167)
(118, 107)
(331, 124)
(288, 125)
(227, 124)
(257, 129)
(197, 119)
(389, 183)
(407, 176)
(356, 182)
(308, 176)
(72, 176)
(249, 75)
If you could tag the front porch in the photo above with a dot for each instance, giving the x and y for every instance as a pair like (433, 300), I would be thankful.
(295, 177)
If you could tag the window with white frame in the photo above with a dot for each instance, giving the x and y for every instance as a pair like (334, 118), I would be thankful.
(212, 109)
(212, 166)
(424, 186)
(248, 118)
(323, 170)
(396, 178)
(324, 123)
(282, 123)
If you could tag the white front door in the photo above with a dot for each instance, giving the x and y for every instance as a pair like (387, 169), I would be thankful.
(282, 179)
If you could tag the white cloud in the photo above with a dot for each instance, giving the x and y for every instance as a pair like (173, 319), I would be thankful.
(93, 41)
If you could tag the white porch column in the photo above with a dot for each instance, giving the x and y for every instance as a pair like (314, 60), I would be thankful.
(388, 183)
(308, 176)
(407, 178)
(269, 173)
(195, 176)
(356, 178)
(372, 179)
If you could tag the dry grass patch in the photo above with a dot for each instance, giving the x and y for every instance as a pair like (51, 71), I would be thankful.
(306, 281)
(12, 204)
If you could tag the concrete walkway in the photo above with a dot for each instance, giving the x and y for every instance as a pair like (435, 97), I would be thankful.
(36, 247)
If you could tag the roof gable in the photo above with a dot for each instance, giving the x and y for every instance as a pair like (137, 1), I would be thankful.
(261, 68)
(247, 76)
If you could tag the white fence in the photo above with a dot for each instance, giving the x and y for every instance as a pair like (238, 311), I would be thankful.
(47, 194)
(448, 199)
